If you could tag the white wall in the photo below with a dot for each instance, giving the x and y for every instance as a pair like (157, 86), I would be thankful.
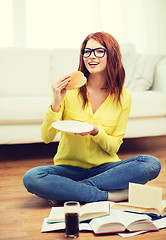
(19, 23)
(54, 23)
(144, 23)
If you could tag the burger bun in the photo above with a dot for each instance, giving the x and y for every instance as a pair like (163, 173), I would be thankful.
(77, 80)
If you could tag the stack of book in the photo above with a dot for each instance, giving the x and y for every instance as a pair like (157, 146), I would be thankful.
(108, 217)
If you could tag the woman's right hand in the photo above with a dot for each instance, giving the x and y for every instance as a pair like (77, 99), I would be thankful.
(59, 92)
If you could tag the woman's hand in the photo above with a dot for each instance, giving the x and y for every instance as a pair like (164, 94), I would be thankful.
(59, 92)
(93, 132)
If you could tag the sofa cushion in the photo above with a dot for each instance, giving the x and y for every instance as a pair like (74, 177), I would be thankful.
(22, 110)
(148, 104)
(146, 127)
(22, 133)
(33, 109)
(139, 70)
(24, 72)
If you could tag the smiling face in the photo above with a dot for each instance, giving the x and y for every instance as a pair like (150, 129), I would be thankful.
(92, 63)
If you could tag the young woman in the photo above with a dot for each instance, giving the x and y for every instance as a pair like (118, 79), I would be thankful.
(86, 166)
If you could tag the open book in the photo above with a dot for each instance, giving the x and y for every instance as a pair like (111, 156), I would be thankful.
(159, 223)
(87, 211)
(117, 221)
(144, 199)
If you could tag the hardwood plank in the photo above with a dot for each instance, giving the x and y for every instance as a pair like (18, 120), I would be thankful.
(22, 214)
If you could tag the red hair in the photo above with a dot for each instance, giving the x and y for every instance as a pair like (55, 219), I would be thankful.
(114, 69)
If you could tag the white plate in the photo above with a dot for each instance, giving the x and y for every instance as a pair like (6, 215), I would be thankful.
(72, 126)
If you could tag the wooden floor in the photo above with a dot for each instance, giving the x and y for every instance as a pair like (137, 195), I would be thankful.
(22, 214)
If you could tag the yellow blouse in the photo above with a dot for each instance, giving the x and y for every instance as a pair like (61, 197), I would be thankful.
(89, 151)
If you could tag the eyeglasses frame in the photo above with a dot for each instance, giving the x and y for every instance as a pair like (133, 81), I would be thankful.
(93, 50)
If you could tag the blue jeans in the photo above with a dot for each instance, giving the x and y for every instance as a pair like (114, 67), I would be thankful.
(65, 183)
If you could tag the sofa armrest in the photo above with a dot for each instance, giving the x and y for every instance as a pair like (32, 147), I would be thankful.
(159, 83)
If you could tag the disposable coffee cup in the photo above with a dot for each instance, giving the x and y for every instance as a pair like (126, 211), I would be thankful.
(71, 210)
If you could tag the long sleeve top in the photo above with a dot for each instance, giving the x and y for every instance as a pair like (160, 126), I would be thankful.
(89, 151)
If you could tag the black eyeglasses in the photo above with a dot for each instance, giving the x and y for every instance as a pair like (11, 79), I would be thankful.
(98, 52)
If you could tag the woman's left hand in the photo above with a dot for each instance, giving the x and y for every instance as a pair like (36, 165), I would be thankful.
(93, 132)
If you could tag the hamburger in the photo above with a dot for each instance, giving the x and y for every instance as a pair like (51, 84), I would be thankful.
(77, 80)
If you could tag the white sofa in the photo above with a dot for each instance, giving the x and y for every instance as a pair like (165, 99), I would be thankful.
(26, 76)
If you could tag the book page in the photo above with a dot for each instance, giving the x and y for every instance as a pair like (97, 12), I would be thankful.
(164, 207)
(95, 207)
(47, 227)
(56, 214)
(130, 234)
(160, 223)
(85, 227)
(110, 223)
(145, 196)
(127, 218)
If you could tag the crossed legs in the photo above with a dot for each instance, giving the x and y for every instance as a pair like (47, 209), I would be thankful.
(106, 182)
